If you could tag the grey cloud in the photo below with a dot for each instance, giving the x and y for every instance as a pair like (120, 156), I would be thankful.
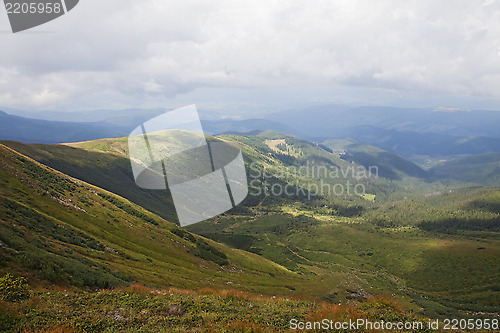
(157, 47)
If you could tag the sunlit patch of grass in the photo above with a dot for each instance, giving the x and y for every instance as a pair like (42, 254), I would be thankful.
(368, 196)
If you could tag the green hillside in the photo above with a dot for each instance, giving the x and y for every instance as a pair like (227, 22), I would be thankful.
(390, 165)
(104, 164)
(141, 309)
(65, 231)
(373, 257)
(69, 237)
(480, 169)
(391, 241)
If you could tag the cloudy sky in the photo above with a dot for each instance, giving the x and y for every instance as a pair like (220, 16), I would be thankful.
(255, 55)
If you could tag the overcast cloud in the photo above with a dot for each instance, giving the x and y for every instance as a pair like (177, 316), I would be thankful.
(119, 52)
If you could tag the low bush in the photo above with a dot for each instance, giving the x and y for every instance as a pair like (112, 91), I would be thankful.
(14, 289)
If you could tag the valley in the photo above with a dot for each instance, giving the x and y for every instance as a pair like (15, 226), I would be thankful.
(429, 243)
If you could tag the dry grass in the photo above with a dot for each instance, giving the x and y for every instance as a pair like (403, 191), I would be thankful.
(50, 330)
(238, 326)
(167, 310)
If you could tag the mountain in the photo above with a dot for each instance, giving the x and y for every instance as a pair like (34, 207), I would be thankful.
(225, 126)
(481, 169)
(389, 164)
(409, 143)
(94, 125)
(115, 117)
(105, 163)
(393, 239)
(63, 230)
(44, 131)
(408, 132)
(326, 119)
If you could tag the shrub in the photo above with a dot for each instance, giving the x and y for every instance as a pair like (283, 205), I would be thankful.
(8, 317)
(201, 248)
(127, 208)
(14, 289)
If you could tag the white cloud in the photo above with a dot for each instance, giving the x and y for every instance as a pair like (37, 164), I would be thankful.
(163, 48)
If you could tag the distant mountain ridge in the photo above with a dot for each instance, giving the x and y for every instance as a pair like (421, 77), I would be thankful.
(29, 130)
(44, 131)
(325, 118)
(408, 143)
(407, 132)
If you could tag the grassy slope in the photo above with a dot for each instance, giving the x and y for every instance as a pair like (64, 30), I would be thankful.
(351, 254)
(57, 228)
(390, 165)
(100, 166)
(461, 235)
(105, 163)
(65, 230)
(442, 273)
(481, 169)
(140, 309)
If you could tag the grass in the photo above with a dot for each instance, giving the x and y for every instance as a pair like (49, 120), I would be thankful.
(389, 164)
(108, 169)
(481, 169)
(392, 242)
(369, 197)
(66, 231)
(354, 257)
(141, 309)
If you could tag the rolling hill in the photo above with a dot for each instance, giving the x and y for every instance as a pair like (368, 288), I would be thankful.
(409, 143)
(63, 230)
(390, 165)
(70, 237)
(338, 248)
(482, 169)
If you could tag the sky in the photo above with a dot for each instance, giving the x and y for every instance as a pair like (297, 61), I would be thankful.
(246, 57)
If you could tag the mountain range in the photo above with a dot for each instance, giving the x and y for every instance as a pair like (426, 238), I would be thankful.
(71, 216)
(409, 132)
